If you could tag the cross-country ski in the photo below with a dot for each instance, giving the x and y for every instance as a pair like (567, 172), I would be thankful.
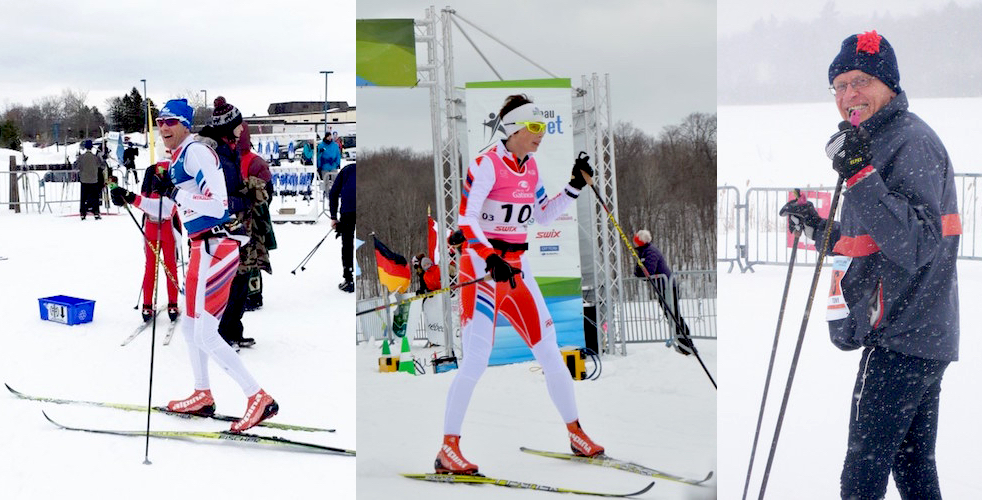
(235, 437)
(477, 479)
(605, 461)
(163, 410)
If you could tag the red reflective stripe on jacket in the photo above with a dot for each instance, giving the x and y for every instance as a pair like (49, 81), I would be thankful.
(951, 225)
(858, 246)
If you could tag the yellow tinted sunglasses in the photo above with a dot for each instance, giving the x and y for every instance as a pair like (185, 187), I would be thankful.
(534, 127)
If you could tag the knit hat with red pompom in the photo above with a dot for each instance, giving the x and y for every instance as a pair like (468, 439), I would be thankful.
(870, 53)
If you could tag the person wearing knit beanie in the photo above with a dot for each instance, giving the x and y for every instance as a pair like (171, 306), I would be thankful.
(225, 117)
(894, 294)
(864, 75)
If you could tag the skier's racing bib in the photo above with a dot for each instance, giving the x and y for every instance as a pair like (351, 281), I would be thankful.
(837, 308)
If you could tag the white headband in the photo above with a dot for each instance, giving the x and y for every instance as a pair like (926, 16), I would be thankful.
(525, 113)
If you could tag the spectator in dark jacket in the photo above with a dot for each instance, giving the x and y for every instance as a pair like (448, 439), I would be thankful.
(91, 175)
(661, 275)
(895, 289)
(652, 259)
(344, 222)
(224, 131)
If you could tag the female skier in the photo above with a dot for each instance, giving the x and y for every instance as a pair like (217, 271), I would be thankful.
(501, 195)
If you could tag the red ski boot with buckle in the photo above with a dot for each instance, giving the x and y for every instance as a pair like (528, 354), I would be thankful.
(200, 403)
(261, 406)
(450, 460)
(581, 444)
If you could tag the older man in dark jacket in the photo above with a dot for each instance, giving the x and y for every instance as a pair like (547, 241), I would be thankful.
(895, 289)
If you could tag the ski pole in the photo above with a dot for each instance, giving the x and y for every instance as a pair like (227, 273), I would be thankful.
(303, 263)
(425, 295)
(854, 119)
(680, 327)
(153, 327)
(770, 364)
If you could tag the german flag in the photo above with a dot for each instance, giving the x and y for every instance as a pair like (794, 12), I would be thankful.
(393, 269)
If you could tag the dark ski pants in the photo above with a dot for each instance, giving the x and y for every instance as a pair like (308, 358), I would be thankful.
(346, 228)
(89, 200)
(893, 425)
(230, 327)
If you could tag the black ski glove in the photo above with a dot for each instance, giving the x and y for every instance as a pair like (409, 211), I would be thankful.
(121, 196)
(580, 167)
(500, 270)
(802, 217)
(161, 184)
(849, 150)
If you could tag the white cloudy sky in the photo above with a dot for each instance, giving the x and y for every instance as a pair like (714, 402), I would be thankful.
(661, 57)
(739, 15)
(251, 51)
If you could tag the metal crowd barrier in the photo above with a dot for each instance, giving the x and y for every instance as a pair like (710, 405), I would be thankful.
(644, 320)
(752, 232)
(27, 183)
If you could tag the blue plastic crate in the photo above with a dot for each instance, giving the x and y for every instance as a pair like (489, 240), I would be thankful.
(67, 310)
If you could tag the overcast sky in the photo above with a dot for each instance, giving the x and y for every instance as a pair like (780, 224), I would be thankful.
(661, 57)
(251, 51)
(740, 15)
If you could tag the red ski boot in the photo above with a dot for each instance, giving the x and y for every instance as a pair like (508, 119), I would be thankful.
(200, 403)
(261, 406)
(450, 460)
(581, 444)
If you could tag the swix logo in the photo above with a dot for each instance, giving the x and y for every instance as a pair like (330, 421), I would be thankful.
(548, 234)
(505, 229)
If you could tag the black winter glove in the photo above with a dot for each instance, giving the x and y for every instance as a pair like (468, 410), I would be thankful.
(500, 270)
(802, 216)
(161, 184)
(849, 150)
(580, 167)
(121, 196)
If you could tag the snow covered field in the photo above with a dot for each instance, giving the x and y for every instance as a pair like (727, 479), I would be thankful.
(782, 146)
(653, 406)
(304, 358)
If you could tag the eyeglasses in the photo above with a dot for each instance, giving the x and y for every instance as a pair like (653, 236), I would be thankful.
(534, 127)
(857, 83)
(170, 122)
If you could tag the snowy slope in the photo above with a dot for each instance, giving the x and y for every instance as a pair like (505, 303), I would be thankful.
(653, 406)
(303, 357)
(782, 146)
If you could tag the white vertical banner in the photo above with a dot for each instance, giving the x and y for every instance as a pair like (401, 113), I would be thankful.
(553, 249)
(554, 253)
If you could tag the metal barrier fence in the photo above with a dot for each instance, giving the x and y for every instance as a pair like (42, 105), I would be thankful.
(25, 184)
(644, 320)
(753, 233)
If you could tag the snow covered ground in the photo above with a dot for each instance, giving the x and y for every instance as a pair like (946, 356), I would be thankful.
(653, 406)
(304, 357)
(782, 146)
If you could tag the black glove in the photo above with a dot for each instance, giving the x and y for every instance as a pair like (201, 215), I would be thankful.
(161, 184)
(120, 196)
(802, 217)
(580, 167)
(849, 150)
(500, 270)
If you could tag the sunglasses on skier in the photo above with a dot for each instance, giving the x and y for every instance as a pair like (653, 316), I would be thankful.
(534, 127)
(170, 122)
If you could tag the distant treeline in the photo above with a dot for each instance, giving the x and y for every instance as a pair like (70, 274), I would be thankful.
(778, 62)
(665, 184)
